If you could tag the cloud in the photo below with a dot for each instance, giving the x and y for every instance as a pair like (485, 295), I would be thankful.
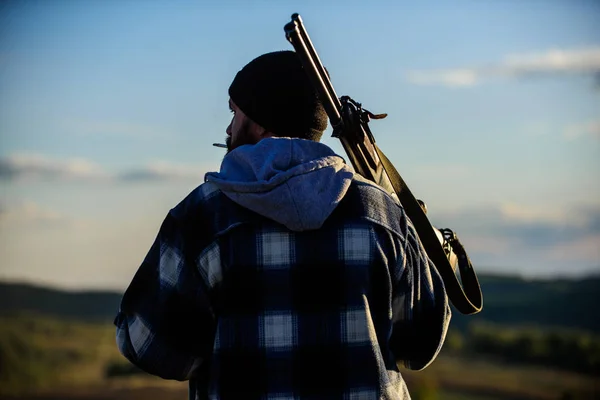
(590, 128)
(587, 248)
(39, 167)
(34, 166)
(585, 61)
(458, 77)
(162, 171)
(29, 213)
(519, 226)
(528, 240)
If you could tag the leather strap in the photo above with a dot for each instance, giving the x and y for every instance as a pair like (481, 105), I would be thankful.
(467, 301)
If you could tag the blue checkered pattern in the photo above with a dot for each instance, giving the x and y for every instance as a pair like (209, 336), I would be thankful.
(243, 308)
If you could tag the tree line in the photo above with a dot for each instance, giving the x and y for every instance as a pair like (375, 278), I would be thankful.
(564, 349)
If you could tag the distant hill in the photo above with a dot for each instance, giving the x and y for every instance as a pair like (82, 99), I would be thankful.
(85, 305)
(508, 300)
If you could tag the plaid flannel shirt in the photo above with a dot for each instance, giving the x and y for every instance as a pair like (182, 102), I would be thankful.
(244, 308)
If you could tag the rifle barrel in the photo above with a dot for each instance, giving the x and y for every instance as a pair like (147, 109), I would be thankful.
(297, 36)
(315, 57)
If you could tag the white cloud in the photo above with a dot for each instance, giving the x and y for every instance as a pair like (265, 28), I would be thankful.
(590, 128)
(556, 61)
(529, 240)
(524, 227)
(26, 214)
(458, 77)
(586, 249)
(39, 167)
(35, 166)
(528, 214)
(163, 171)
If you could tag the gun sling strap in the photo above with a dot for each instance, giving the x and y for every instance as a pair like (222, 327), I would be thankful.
(467, 301)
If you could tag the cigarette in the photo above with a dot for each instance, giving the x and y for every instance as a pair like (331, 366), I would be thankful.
(220, 145)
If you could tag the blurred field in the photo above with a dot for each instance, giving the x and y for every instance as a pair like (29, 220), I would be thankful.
(50, 358)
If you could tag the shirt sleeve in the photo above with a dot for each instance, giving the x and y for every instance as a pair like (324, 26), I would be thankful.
(165, 325)
(420, 308)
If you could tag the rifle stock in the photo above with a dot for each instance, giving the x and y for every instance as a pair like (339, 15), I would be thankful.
(350, 123)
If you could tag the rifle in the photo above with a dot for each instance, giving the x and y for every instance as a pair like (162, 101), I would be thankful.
(350, 123)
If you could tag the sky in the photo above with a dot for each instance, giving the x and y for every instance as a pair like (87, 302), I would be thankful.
(109, 109)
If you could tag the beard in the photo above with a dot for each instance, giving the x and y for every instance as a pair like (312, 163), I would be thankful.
(243, 137)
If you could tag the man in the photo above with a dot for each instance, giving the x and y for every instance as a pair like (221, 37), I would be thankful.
(284, 275)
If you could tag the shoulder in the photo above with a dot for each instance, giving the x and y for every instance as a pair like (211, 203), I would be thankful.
(371, 202)
(207, 208)
(195, 202)
(375, 192)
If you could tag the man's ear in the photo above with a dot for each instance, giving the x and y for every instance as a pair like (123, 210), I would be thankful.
(258, 132)
(265, 133)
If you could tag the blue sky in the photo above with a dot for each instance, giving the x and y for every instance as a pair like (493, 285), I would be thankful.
(108, 112)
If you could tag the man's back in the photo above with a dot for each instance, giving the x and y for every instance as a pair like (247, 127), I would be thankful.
(298, 310)
(295, 308)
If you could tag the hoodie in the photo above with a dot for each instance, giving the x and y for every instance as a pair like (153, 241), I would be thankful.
(295, 182)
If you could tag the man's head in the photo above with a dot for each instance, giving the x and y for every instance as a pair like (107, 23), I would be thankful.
(273, 96)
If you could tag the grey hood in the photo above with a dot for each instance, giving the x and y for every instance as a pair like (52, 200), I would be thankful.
(295, 182)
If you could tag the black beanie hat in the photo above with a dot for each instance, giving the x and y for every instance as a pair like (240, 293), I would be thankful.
(274, 91)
